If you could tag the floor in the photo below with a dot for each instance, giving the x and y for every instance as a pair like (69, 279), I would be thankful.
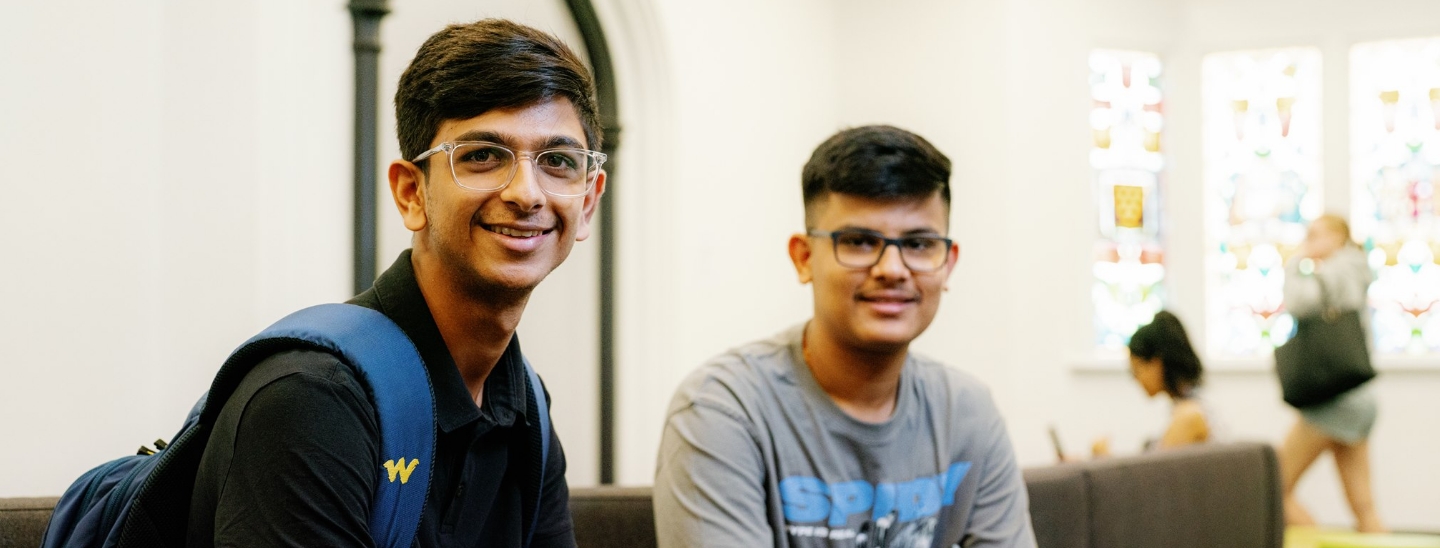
(1309, 537)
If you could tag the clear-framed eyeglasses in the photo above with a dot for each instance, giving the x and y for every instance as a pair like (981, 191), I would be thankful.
(487, 167)
(857, 248)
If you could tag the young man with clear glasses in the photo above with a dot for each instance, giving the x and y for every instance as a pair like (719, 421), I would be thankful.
(498, 123)
(832, 433)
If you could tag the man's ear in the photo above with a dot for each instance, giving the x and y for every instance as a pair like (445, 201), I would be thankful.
(952, 259)
(407, 186)
(592, 199)
(800, 253)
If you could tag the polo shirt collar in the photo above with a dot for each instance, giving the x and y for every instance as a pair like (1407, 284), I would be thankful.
(396, 294)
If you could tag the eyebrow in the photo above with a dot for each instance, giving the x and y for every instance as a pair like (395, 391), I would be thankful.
(553, 141)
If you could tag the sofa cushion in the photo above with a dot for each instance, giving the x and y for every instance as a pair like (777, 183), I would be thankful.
(619, 517)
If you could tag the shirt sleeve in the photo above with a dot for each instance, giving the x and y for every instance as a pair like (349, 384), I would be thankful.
(709, 482)
(300, 473)
(556, 529)
(1001, 516)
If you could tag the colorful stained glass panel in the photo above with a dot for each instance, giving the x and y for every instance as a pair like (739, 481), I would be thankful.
(1394, 159)
(1262, 186)
(1126, 119)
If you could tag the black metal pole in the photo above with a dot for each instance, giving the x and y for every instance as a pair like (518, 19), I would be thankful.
(366, 16)
(594, 35)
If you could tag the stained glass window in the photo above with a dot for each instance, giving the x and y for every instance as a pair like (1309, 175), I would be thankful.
(1126, 120)
(1262, 186)
(1395, 155)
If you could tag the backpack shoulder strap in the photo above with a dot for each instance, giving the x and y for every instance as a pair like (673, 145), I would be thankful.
(542, 408)
(387, 364)
(392, 371)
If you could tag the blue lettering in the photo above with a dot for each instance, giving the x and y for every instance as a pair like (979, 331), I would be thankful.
(804, 499)
(807, 499)
(918, 498)
(851, 497)
(884, 500)
(953, 476)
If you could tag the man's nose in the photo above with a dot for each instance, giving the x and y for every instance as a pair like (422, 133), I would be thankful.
(524, 189)
(891, 264)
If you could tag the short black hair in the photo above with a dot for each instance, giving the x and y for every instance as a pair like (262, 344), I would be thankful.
(466, 70)
(879, 162)
(1164, 337)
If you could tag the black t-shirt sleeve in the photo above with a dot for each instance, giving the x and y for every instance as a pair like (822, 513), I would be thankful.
(301, 471)
(555, 528)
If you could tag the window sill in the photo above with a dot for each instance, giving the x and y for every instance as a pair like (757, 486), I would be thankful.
(1117, 363)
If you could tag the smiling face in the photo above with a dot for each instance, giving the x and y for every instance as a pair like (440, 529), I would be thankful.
(884, 307)
(505, 240)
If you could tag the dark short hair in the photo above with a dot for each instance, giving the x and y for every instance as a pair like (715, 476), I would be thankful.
(1164, 337)
(466, 70)
(878, 162)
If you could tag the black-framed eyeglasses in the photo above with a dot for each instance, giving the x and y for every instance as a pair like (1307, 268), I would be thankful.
(487, 167)
(858, 248)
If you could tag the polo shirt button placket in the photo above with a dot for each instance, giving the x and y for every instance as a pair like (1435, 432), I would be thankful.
(453, 515)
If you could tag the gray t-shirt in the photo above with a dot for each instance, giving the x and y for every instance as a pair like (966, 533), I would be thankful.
(756, 454)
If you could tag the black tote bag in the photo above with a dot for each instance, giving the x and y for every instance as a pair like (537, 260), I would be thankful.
(1327, 357)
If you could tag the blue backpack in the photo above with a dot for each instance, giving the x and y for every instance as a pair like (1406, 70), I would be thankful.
(144, 500)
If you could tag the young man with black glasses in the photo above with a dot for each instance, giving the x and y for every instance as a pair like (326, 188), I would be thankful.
(833, 433)
(498, 124)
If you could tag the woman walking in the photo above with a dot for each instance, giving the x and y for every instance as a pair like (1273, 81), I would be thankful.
(1331, 271)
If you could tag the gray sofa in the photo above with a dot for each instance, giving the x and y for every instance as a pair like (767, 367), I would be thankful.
(1206, 496)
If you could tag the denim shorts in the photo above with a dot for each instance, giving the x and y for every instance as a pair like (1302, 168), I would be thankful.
(1348, 418)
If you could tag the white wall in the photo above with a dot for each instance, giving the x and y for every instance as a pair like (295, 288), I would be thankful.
(179, 176)
(171, 190)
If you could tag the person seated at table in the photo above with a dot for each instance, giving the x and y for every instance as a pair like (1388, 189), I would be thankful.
(1163, 362)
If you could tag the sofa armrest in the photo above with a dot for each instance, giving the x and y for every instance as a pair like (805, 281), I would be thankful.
(1059, 508)
(1195, 497)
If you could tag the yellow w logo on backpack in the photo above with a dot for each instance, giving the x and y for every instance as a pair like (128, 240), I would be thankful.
(402, 469)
